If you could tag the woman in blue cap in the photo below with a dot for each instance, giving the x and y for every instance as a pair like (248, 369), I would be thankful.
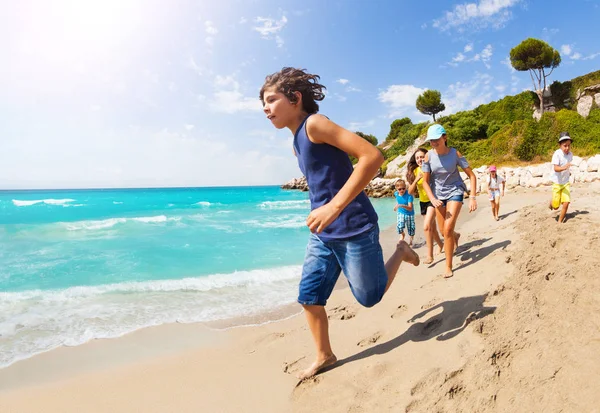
(445, 187)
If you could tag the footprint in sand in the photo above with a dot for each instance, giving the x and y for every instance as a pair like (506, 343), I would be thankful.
(399, 311)
(369, 340)
(293, 366)
(341, 313)
(430, 304)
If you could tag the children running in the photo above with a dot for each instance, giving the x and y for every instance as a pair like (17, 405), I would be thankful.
(343, 223)
(405, 211)
(445, 187)
(495, 182)
(561, 187)
(414, 175)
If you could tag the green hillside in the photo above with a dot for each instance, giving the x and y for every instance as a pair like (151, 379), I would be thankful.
(504, 131)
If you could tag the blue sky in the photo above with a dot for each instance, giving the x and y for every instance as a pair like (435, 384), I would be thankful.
(123, 93)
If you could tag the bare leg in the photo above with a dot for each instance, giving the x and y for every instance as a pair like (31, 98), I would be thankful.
(450, 216)
(493, 205)
(431, 234)
(497, 209)
(316, 316)
(563, 212)
(403, 253)
(436, 234)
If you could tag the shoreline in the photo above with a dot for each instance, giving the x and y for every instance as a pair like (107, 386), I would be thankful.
(187, 367)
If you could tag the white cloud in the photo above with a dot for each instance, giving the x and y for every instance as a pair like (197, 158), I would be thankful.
(514, 82)
(357, 126)
(353, 89)
(485, 13)
(339, 97)
(592, 56)
(194, 66)
(243, 20)
(229, 99)
(279, 41)
(210, 41)
(566, 49)
(172, 87)
(401, 99)
(210, 28)
(500, 88)
(468, 95)
(342, 81)
(484, 56)
(506, 62)
(188, 127)
(270, 28)
(459, 57)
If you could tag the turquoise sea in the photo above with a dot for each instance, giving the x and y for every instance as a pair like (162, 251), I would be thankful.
(77, 265)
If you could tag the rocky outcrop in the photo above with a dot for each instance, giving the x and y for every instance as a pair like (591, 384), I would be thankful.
(377, 188)
(397, 167)
(582, 170)
(584, 105)
(532, 176)
(587, 98)
(296, 183)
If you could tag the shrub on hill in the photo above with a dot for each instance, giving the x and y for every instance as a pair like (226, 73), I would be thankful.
(504, 131)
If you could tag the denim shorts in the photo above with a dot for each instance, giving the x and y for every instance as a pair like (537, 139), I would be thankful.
(457, 198)
(361, 259)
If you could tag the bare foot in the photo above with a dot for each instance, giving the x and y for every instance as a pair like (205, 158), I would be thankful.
(316, 367)
(428, 260)
(456, 238)
(441, 248)
(497, 219)
(408, 254)
(448, 274)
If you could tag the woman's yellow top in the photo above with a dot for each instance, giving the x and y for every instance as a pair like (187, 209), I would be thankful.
(422, 194)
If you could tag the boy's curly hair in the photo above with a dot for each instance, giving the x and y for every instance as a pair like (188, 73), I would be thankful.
(289, 80)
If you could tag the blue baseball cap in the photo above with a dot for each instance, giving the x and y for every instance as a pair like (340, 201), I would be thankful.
(434, 132)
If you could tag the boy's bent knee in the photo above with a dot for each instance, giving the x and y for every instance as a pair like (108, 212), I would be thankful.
(369, 302)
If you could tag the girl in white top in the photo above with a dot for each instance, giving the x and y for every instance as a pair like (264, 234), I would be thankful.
(495, 182)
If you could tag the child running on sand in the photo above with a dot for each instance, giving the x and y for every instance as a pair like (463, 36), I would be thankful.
(561, 187)
(495, 182)
(343, 223)
(445, 187)
(414, 175)
(405, 211)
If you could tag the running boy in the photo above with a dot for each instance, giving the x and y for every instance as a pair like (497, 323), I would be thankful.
(404, 209)
(561, 187)
(495, 182)
(343, 223)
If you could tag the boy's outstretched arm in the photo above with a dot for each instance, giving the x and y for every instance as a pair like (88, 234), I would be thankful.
(322, 130)
(408, 207)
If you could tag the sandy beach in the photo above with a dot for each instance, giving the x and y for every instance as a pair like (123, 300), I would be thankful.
(515, 329)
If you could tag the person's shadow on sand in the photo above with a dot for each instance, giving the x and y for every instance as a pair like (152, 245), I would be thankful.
(504, 216)
(473, 256)
(571, 215)
(455, 317)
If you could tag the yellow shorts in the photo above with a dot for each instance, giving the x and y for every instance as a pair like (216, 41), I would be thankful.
(560, 194)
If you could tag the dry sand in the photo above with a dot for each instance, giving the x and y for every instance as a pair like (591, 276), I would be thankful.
(516, 329)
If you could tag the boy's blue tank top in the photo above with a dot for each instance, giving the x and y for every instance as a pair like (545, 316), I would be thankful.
(327, 169)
